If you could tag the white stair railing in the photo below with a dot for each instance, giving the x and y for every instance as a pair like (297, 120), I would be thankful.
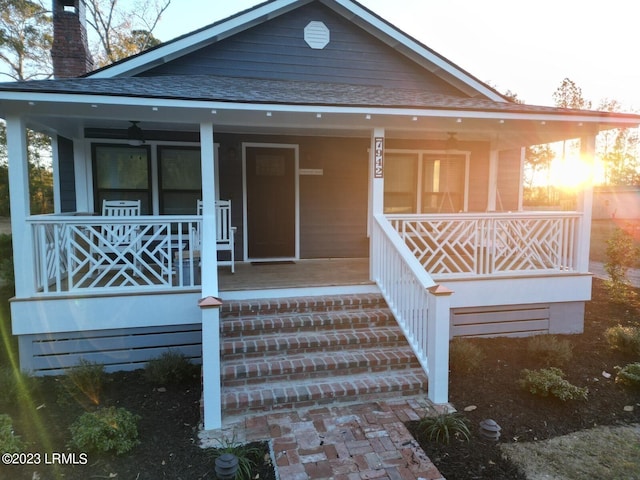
(420, 307)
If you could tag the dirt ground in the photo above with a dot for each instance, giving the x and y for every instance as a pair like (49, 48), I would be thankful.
(531, 420)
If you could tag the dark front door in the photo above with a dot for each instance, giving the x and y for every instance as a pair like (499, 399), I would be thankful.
(271, 203)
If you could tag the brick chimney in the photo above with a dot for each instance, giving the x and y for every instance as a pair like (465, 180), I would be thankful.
(70, 50)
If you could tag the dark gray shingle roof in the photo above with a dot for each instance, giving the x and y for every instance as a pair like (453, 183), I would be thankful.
(270, 91)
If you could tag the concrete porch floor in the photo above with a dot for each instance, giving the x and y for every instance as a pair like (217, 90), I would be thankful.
(325, 272)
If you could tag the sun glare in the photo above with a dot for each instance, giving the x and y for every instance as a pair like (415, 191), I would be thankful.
(571, 173)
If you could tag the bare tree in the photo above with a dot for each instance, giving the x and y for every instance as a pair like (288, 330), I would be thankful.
(122, 33)
(25, 39)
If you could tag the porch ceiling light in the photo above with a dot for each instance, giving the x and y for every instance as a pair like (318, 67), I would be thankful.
(134, 134)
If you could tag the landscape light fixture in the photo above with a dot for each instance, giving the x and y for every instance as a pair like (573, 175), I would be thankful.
(226, 466)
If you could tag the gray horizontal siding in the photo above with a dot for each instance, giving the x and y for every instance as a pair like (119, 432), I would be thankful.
(118, 349)
(512, 320)
(276, 50)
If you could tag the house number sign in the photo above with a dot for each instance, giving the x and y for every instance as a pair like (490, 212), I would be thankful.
(378, 165)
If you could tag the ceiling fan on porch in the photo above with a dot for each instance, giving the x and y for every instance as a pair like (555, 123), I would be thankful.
(135, 135)
(451, 142)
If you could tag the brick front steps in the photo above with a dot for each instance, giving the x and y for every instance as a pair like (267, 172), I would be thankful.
(303, 352)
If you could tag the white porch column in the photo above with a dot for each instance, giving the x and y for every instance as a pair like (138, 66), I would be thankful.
(211, 388)
(23, 258)
(492, 191)
(585, 203)
(376, 186)
(438, 320)
(81, 176)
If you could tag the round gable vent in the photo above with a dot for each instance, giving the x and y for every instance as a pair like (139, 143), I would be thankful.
(317, 35)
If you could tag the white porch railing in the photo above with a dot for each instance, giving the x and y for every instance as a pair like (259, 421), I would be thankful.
(464, 245)
(85, 254)
(420, 308)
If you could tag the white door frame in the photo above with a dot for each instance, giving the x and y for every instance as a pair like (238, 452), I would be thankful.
(245, 240)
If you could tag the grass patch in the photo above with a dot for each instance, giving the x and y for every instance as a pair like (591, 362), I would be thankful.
(603, 452)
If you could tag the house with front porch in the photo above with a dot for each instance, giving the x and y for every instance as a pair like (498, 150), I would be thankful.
(339, 159)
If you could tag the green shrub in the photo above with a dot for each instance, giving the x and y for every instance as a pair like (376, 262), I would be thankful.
(464, 355)
(169, 368)
(550, 350)
(629, 375)
(550, 381)
(248, 455)
(84, 382)
(9, 441)
(15, 386)
(441, 428)
(624, 339)
(105, 430)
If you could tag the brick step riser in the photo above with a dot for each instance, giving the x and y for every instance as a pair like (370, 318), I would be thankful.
(247, 328)
(319, 375)
(293, 367)
(298, 307)
(256, 401)
(236, 349)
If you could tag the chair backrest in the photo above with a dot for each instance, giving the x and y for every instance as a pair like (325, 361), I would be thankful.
(223, 219)
(120, 208)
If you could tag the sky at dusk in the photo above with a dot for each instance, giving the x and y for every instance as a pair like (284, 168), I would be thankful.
(524, 46)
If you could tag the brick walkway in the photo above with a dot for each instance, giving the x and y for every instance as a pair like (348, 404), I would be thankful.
(340, 442)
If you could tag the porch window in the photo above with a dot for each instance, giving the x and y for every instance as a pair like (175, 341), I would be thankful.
(424, 182)
(122, 172)
(443, 183)
(180, 178)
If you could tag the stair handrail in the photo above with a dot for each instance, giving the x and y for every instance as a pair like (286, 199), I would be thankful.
(419, 305)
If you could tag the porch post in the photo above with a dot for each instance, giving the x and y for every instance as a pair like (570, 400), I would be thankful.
(80, 169)
(585, 204)
(376, 187)
(492, 190)
(23, 258)
(211, 388)
(438, 332)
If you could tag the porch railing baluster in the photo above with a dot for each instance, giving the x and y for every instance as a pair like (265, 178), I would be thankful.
(89, 254)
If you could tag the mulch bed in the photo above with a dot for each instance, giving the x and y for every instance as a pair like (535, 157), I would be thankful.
(168, 427)
(168, 432)
(494, 390)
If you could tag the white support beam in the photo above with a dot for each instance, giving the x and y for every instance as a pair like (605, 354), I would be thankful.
(492, 190)
(81, 175)
(376, 184)
(211, 385)
(585, 203)
(23, 258)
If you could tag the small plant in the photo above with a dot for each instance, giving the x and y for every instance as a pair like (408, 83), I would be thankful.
(9, 441)
(441, 428)
(15, 386)
(106, 430)
(464, 355)
(550, 349)
(624, 339)
(84, 382)
(169, 368)
(621, 254)
(551, 381)
(629, 375)
(248, 455)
